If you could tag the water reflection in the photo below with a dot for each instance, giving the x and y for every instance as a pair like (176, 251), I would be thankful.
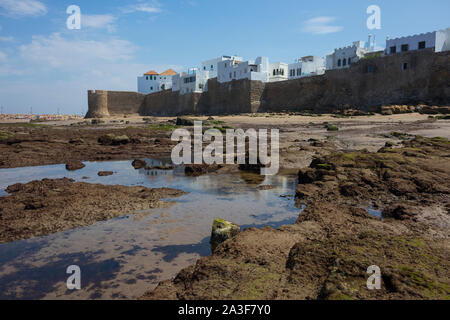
(124, 257)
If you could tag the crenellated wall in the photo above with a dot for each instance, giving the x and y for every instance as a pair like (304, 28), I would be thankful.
(406, 78)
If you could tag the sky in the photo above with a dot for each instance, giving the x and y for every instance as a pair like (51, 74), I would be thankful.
(46, 68)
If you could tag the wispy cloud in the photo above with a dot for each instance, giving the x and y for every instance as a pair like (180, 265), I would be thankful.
(321, 25)
(22, 8)
(99, 21)
(6, 39)
(2, 57)
(55, 51)
(143, 6)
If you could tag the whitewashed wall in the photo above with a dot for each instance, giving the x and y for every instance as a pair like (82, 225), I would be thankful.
(308, 68)
(412, 42)
(147, 86)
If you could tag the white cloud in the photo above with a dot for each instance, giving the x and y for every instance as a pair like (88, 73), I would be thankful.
(20, 8)
(2, 57)
(55, 51)
(59, 70)
(147, 7)
(6, 39)
(321, 25)
(100, 21)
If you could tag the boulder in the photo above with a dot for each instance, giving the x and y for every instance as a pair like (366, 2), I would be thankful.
(184, 122)
(105, 173)
(222, 230)
(74, 165)
(139, 164)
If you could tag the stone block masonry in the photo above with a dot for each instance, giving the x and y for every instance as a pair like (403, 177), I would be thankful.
(405, 78)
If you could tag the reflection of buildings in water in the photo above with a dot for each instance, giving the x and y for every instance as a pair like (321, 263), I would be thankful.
(155, 175)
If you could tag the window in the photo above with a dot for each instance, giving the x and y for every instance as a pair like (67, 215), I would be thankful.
(151, 88)
(369, 69)
(344, 62)
(235, 74)
(393, 49)
(349, 61)
(299, 71)
(212, 67)
(204, 68)
(225, 65)
(231, 75)
(405, 66)
(146, 78)
(405, 47)
(339, 62)
(422, 45)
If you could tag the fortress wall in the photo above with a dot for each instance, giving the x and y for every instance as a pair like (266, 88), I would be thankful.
(169, 103)
(122, 102)
(366, 85)
(226, 98)
(425, 80)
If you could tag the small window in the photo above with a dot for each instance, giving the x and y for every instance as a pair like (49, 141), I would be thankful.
(393, 49)
(349, 61)
(231, 75)
(422, 45)
(339, 62)
(212, 67)
(405, 47)
(344, 62)
(204, 68)
(369, 69)
(151, 88)
(405, 65)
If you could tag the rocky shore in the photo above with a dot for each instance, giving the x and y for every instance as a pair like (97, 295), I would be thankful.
(326, 253)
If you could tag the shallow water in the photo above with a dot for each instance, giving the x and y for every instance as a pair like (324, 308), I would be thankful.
(126, 256)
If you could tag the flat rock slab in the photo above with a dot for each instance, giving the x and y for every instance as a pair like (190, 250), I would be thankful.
(44, 207)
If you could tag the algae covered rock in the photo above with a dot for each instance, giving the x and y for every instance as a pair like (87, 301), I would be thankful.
(222, 230)
(111, 139)
(139, 164)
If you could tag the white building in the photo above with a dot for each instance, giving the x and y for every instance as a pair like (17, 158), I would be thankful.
(196, 79)
(278, 72)
(437, 40)
(306, 66)
(344, 57)
(257, 70)
(212, 65)
(152, 81)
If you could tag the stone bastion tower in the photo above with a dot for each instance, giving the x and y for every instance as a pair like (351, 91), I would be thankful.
(98, 104)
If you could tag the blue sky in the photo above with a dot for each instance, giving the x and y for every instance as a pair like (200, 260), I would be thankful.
(45, 66)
